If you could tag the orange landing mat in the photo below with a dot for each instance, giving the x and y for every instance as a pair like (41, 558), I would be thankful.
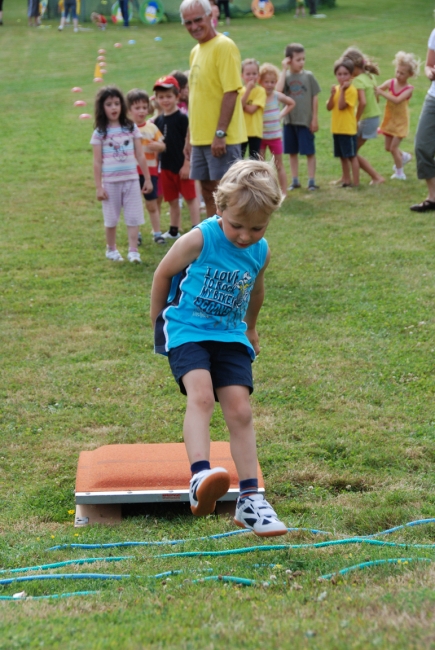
(146, 473)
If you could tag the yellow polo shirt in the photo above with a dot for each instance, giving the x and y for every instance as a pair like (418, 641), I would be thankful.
(254, 121)
(344, 122)
(214, 70)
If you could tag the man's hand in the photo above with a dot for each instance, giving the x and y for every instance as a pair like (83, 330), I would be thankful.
(218, 147)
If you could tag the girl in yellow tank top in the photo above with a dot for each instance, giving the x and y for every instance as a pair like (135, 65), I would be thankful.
(395, 125)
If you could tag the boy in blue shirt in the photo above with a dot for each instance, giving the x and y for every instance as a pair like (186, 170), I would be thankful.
(205, 299)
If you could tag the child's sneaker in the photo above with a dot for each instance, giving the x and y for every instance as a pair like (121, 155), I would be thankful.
(206, 488)
(406, 158)
(313, 187)
(139, 239)
(256, 513)
(134, 257)
(159, 239)
(293, 186)
(398, 177)
(115, 256)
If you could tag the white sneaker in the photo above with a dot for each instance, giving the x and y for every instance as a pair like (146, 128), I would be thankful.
(406, 158)
(398, 177)
(167, 235)
(134, 257)
(60, 28)
(76, 29)
(256, 513)
(206, 488)
(115, 256)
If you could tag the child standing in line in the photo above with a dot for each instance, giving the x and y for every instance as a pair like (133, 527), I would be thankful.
(395, 125)
(253, 102)
(302, 123)
(208, 331)
(269, 75)
(153, 144)
(117, 151)
(175, 167)
(368, 111)
(342, 103)
(183, 97)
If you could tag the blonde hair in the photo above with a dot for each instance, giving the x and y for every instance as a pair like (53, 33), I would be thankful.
(409, 60)
(268, 68)
(361, 60)
(250, 186)
(246, 62)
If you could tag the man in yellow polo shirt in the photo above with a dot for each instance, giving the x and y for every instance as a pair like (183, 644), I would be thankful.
(216, 122)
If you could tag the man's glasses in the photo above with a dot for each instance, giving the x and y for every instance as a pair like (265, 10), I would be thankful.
(195, 21)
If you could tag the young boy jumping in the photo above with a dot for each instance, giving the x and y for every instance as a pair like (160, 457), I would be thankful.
(205, 299)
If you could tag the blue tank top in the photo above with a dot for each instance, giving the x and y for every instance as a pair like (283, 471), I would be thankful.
(209, 298)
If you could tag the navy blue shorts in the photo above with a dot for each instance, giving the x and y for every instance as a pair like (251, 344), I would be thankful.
(345, 146)
(151, 195)
(298, 139)
(229, 364)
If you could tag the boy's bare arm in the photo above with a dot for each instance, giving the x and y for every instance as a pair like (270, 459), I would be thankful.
(255, 303)
(314, 126)
(182, 253)
(330, 102)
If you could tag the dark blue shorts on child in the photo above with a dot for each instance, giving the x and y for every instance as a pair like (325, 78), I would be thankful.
(229, 364)
(298, 139)
(345, 146)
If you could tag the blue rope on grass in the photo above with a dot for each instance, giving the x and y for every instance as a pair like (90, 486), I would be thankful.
(57, 565)
(65, 576)
(283, 547)
(365, 565)
(173, 542)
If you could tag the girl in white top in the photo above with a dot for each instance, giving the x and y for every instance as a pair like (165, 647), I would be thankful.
(118, 150)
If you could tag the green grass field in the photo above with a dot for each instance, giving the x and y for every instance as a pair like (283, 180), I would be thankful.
(344, 392)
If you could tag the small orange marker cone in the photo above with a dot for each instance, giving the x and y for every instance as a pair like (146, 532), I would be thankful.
(97, 72)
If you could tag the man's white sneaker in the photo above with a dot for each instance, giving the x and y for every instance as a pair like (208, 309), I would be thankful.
(206, 488)
(256, 513)
(115, 256)
(134, 257)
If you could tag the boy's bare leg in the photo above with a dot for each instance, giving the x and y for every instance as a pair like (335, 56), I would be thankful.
(208, 187)
(236, 408)
(200, 407)
(294, 165)
(195, 214)
(345, 171)
(355, 169)
(175, 213)
(154, 212)
(311, 165)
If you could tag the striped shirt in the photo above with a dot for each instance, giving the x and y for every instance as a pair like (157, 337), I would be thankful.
(271, 121)
(150, 133)
(119, 162)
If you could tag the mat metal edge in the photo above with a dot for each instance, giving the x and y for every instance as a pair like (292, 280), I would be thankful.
(145, 496)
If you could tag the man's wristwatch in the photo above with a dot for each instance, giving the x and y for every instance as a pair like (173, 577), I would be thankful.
(220, 134)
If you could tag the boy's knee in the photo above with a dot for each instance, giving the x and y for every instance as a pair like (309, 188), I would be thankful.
(241, 412)
(202, 398)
